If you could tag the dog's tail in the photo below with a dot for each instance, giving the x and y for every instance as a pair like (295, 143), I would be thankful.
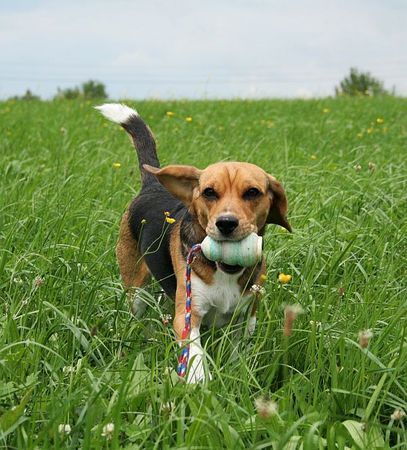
(141, 135)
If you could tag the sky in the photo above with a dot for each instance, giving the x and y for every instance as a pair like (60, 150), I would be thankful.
(200, 49)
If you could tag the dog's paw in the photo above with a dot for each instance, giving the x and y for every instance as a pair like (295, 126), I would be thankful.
(196, 370)
(137, 305)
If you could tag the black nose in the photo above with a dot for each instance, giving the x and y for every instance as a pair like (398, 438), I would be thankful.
(226, 224)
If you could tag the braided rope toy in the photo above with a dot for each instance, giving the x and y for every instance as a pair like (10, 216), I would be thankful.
(184, 357)
(244, 253)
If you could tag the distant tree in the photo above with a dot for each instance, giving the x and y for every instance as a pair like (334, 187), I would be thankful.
(93, 89)
(89, 90)
(27, 96)
(68, 93)
(360, 83)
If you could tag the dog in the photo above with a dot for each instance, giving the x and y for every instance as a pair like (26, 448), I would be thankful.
(226, 201)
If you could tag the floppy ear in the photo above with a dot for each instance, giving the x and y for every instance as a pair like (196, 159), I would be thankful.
(179, 180)
(279, 205)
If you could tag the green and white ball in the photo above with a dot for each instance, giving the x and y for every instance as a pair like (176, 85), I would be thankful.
(245, 253)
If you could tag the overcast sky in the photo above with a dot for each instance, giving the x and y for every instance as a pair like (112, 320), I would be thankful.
(200, 49)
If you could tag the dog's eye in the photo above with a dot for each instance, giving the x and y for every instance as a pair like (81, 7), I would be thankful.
(210, 194)
(251, 194)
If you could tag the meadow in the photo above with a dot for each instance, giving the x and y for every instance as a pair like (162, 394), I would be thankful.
(78, 371)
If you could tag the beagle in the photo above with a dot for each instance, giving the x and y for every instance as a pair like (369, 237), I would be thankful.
(227, 201)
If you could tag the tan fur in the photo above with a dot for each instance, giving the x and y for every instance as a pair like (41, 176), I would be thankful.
(133, 269)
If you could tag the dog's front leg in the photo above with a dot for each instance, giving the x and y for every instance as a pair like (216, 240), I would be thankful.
(196, 369)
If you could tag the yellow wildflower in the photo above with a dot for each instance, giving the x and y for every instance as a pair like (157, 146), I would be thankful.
(263, 277)
(313, 156)
(169, 113)
(326, 110)
(167, 213)
(116, 165)
(369, 130)
(380, 120)
(284, 278)
(169, 220)
(188, 119)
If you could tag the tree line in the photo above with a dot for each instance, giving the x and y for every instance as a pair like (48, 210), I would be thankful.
(88, 90)
(357, 83)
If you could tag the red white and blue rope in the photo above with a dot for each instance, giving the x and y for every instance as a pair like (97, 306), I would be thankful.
(184, 357)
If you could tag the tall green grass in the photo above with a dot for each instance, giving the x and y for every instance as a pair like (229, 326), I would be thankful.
(72, 354)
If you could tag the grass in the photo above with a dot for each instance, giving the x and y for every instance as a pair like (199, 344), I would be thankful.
(71, 353)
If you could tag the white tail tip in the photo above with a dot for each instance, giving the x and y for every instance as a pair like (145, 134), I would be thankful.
(116, 112)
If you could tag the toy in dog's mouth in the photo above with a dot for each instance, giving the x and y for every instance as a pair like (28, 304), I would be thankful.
(232, 256)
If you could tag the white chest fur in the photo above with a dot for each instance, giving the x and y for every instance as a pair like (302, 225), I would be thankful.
(217, 302)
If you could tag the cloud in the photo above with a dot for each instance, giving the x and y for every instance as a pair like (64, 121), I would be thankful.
(190, 48)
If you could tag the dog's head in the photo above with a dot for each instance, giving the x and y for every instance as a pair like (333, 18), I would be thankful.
(230, 200)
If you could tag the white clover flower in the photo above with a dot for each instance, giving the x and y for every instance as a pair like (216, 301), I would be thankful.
(64, 428)
(257, 289)
(108, 430)
(68, 369)
(398, 414)
(167, 407)
(166, 319)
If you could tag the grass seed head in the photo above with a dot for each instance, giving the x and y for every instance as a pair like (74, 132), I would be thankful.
(372, 166)
(364, 337)
(290, 314)
(265, 407)
(38, 281)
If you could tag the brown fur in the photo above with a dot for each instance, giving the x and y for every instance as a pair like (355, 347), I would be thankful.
(133, 269)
